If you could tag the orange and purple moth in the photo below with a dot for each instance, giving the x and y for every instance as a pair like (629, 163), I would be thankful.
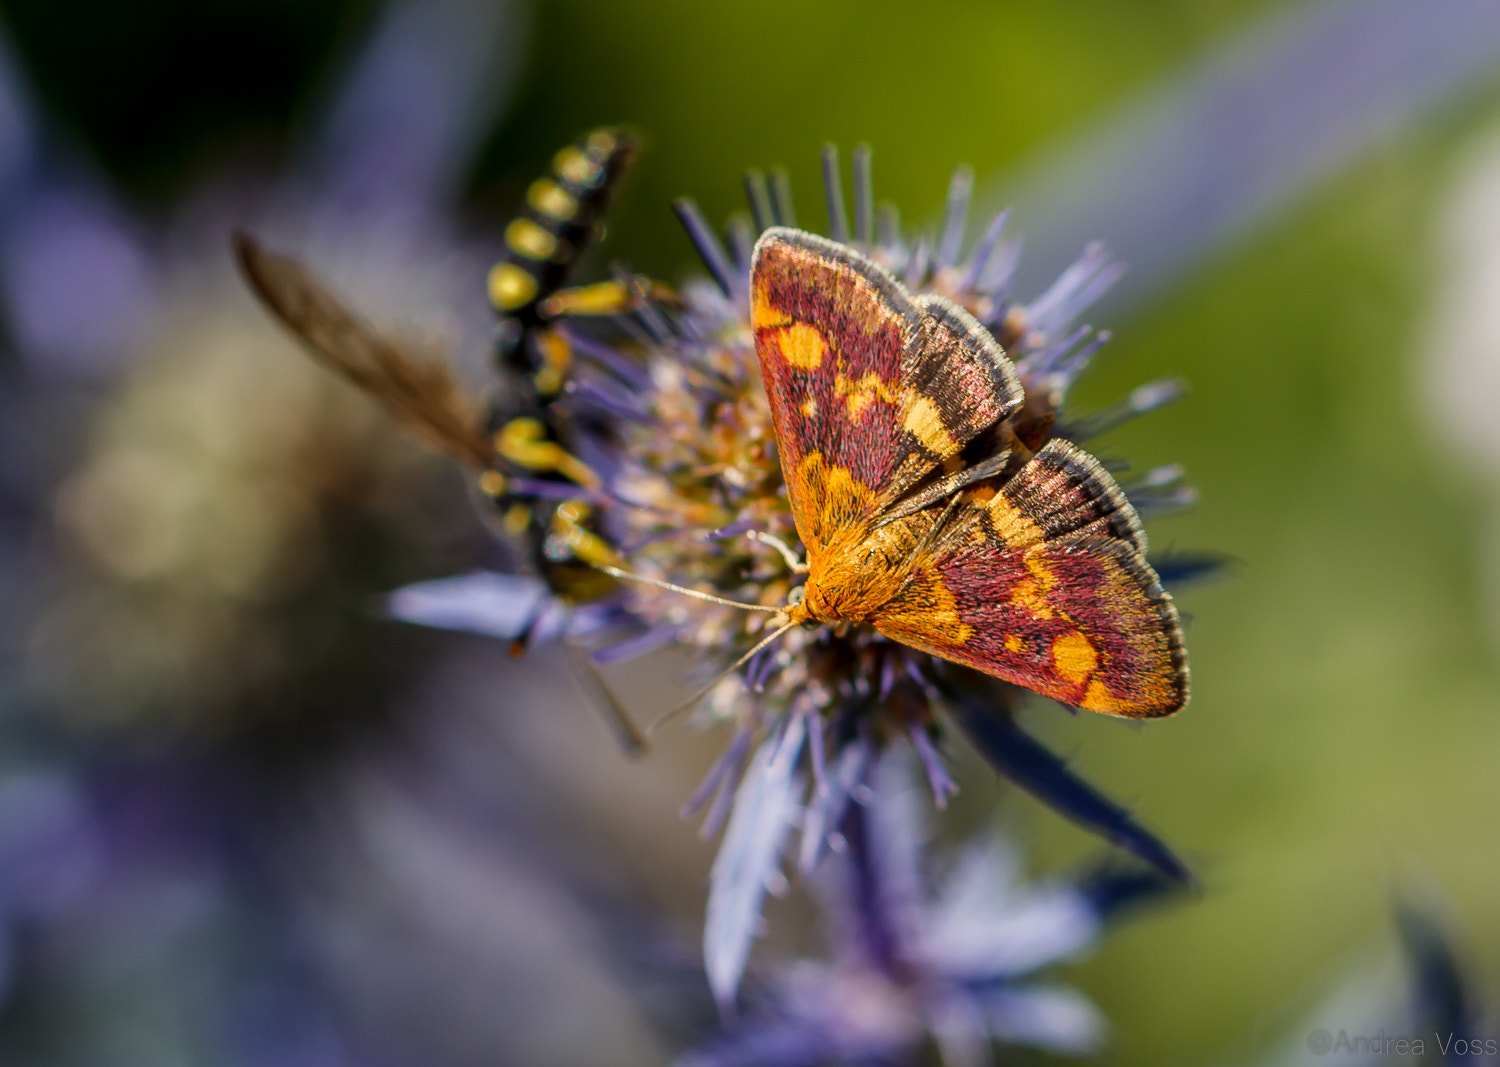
(925, 516)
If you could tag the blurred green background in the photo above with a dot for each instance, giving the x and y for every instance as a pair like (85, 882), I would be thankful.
(1343, 737)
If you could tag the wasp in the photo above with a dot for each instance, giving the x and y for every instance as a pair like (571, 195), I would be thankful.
(561, 218)
(520, 444)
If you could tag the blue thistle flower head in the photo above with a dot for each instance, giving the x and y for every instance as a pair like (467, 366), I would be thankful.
(679, 489)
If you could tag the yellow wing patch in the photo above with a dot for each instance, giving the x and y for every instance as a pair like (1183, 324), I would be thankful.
(802, 346)
(832, 496)
(861, 393)
(1074, 657)
(1099, 698)
(927, 607)
(1031, 595)
(925, 423)
(764, 315)
(1015, 527)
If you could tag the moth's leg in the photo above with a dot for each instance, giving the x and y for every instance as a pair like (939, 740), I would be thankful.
(797, 566)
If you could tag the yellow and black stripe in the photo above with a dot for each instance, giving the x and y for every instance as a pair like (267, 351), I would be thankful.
(560, 219)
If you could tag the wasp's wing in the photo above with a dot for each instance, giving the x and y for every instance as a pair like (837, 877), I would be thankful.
(416, 388)
(1043, 581)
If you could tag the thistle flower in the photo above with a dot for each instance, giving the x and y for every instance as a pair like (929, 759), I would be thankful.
(909, 965)
(692, 496)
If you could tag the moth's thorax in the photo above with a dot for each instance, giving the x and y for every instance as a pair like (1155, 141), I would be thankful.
(851, 579)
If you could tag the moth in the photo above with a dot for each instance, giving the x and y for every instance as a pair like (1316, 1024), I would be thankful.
(1028, 566)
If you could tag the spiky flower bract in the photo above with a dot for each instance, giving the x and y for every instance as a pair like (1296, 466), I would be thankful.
(914, 959)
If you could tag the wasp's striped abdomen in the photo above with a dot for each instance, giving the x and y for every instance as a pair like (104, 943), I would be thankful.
(559, 220)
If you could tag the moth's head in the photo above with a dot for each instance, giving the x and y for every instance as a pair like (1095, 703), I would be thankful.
(798, 610)
(796, 605)
(821, 603)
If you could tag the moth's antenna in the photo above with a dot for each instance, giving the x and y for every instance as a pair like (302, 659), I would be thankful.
(627, 576)
(725, 673)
